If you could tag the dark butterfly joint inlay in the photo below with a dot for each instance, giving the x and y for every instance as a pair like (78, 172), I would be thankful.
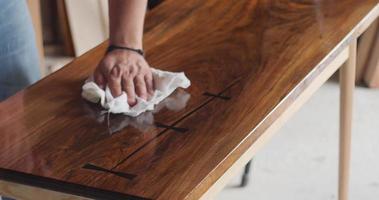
(216, 95)
(177, 129)
(120, 174)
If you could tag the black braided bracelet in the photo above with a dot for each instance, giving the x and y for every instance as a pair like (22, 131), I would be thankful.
(114, 47)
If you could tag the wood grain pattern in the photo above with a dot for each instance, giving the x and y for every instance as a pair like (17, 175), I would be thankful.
(251, 59)
(276, 124)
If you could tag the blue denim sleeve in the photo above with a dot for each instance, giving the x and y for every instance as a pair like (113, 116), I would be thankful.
(19, 62)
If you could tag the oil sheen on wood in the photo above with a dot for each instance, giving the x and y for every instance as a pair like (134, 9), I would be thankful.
(247, 61)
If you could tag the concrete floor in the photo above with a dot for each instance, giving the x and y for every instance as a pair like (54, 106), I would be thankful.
(300, 162)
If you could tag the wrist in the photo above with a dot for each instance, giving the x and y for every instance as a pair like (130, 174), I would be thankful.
(131, 42)
(125, 48)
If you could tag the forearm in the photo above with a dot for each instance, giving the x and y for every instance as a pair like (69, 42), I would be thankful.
(122, 70)
(126, 19)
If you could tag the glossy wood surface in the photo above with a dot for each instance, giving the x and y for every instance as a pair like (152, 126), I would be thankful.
(247, 60)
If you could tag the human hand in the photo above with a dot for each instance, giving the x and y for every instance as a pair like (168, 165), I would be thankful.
(125, 71)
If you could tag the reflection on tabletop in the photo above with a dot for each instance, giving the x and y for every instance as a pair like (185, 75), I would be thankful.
(116, 122)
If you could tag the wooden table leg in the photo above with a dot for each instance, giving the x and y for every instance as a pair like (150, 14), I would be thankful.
(347, 84)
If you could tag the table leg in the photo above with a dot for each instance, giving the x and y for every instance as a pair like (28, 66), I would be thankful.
(347, 83)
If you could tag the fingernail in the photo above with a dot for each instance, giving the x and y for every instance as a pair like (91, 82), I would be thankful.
(133, 103)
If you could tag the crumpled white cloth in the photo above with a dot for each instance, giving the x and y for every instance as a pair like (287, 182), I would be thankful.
(165, 83)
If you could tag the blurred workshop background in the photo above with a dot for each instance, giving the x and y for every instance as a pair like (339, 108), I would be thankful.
(302, 167)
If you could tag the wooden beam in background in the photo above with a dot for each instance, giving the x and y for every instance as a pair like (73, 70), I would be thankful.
(365, 46)
(371, 76)
(64, 27)
(88, 23)
(35, 12)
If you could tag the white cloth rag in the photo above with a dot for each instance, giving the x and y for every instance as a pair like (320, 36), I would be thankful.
(165, 83)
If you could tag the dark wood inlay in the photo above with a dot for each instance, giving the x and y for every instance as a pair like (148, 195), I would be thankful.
(177, 129)
(216, 95)
(120, 174)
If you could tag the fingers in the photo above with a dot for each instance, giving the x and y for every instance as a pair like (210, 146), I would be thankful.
(114, 81)
(140, 86)
(102, 72)
(123, 71)
(149, 85)
(99, 79)
(128, 87)
(137, 85)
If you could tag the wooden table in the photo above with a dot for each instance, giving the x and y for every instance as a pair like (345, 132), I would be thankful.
(252, 65)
